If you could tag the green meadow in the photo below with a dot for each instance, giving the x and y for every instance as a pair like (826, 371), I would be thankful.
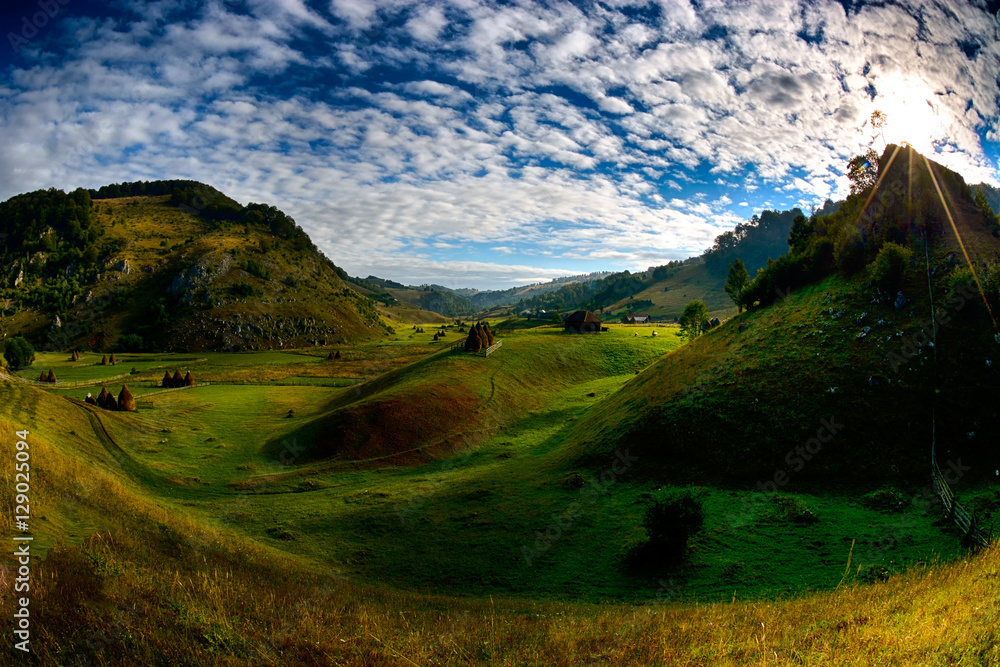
(501, 508)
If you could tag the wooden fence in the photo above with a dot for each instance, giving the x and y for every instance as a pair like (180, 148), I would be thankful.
(460, 347)
(492, 348)
(962, 518)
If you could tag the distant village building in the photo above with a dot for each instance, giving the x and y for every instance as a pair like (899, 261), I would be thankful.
(582, 321)
(636, 319)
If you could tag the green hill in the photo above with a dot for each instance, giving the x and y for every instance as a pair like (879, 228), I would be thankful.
(169, 265)
(829, 338)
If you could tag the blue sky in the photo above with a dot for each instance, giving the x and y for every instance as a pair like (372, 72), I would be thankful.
(487, 144)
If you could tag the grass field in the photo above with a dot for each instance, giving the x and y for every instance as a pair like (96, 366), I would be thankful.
(206, 512)
(492, 484)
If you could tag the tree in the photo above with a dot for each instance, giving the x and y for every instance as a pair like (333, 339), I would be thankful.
(670, 521)
(987, 210)
(694, 318)
(878, 122)
(18, 352)
(862, 171)
(889, 267)
(737, 281)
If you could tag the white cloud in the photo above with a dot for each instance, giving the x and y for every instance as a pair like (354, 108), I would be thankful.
(486, 138)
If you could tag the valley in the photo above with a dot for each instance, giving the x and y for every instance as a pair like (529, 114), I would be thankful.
(416, 503)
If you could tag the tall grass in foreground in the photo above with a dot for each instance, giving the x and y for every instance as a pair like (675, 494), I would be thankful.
(151, 586)
(165, 592)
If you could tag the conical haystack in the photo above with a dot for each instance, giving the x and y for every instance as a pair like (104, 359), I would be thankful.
(178, 380)
(112, 360)
(102, 398)
(111, 403)
(126, 402)
(51, 377)
(104, 360)
(90, 399)
(167, 380)
(43, 377)
(189, 379)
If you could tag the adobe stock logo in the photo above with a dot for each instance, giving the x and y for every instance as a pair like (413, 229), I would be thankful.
(32, 23)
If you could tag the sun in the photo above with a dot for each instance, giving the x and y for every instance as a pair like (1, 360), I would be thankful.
(911, 114)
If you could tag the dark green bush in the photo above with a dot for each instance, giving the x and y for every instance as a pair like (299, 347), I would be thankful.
(670, 521)
(889, 266)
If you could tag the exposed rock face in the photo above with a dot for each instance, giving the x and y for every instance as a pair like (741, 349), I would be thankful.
(123, 267)
(201, 274)
(16, 274)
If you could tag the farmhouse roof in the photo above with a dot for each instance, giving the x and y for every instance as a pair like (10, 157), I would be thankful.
(583, 316)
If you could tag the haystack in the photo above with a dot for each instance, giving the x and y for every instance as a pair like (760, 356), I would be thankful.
(126, 402)
(167, 380)
(178, 381)
(111, 403)
(90, 399)
(189, 379)
(104, 360)
(102, 398)
(43, 377)
(112, 360)
(51, 377)
(337, 356)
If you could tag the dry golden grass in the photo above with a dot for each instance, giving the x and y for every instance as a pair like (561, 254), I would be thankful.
(152, 584)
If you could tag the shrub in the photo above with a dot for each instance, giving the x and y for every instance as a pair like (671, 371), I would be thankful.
(889, 267)
(131, 343)
(243, 289)
(18, 353)
(670, 521)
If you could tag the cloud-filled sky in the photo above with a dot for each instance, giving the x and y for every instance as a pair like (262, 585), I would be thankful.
(484, 144)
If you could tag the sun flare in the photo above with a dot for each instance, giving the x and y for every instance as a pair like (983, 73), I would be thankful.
(911, 115)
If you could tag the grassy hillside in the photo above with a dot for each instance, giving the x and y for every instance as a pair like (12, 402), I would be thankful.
(170, 536)
(666, 299)
(732, 407)
(155, 273)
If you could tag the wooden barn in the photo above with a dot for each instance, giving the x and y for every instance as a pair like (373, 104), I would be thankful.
(582, 321)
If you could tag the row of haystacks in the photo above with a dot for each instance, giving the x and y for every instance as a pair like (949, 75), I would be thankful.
(106, 399)
(175, 380)
(105, 361)
(480, 337)
(47, 377)
(75, 356)
(333, 355)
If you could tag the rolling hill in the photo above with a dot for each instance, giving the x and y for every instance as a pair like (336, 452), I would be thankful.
(829, 338)
(169, 265)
